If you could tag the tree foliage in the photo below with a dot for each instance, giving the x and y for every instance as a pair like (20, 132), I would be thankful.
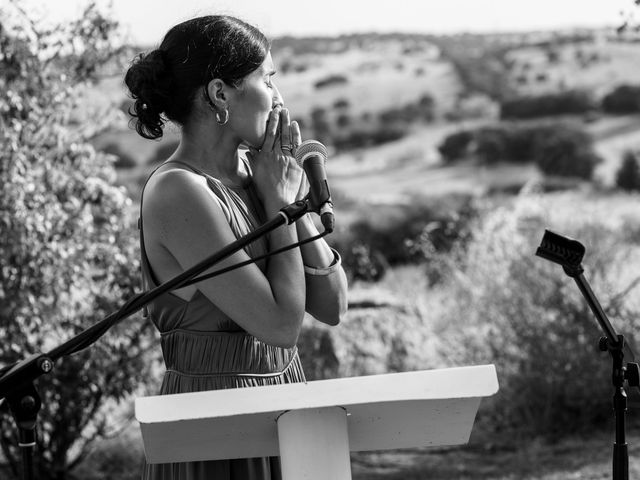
(558, 149)
(68, 253)
(508, 307)
(628, 175)
(571, 102)
(623, 99)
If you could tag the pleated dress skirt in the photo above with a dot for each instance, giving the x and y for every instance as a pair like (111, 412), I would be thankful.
(201, 361)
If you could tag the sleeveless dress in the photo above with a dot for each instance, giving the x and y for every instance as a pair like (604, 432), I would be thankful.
(203, 349)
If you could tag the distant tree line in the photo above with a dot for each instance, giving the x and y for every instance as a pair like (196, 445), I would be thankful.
(557, 149)
(572, 102)
(624, 99)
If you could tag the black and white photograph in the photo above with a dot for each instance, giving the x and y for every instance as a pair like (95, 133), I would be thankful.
(336, 240)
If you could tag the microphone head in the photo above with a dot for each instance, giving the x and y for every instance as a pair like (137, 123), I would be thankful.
(562, 250)
(310, 148)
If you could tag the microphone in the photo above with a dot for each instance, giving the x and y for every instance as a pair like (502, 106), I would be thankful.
(311, 156)
(564, 251)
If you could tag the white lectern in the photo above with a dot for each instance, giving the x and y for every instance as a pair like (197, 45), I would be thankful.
(312, 426)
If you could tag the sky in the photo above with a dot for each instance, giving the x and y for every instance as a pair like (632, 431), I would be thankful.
(146, 21)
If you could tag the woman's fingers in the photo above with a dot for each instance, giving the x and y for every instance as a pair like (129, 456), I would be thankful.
(272, 130)
(296, 137)
(285, 132)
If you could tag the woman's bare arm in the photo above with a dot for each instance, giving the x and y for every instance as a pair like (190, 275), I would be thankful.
(326, 282)
(186, 218)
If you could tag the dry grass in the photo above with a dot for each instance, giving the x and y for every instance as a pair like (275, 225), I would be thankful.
(615, 65)
(586, 457)
(377, 80)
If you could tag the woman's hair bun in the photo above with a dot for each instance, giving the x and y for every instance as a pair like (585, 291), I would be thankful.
(168, 82)
(150, 82)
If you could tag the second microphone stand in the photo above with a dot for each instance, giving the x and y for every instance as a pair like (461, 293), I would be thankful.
(569, 253)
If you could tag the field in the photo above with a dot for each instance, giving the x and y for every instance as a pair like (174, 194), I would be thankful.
(595, 67)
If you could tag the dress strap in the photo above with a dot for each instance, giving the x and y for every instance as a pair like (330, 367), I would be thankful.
(190, 167)
(206, 175)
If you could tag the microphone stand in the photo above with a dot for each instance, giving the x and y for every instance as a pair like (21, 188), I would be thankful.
(569, 253)
(17, 380)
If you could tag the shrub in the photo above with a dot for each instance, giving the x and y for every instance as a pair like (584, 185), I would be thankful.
(492, 145)
(557, 149)
(331, 80)
(623, 99)
(343, 120)
(456, 146)
(341, 103)
(569, 102)
(421, 110)
(68, 255)
(118, 458)
(123, 159)
(566, 152)
(365, 137)
(373, 245)
(523, 314)
(628, 175)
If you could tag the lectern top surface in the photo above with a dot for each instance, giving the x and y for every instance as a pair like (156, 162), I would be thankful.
(461, 382)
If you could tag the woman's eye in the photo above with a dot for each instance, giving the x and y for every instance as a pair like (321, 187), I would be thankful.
(269, 82)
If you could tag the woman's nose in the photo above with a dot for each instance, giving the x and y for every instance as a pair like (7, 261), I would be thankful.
(277, 98)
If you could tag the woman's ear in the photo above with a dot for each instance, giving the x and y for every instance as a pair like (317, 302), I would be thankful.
(217, 92)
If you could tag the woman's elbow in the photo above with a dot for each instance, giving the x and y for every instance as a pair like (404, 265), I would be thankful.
(332, 321)
(286, 334)
(332, 316)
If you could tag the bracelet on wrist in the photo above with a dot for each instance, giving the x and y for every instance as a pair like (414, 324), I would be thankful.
(321, 271)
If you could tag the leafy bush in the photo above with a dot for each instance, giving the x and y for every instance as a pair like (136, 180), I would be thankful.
(68, 255)
(372, 245)
(523, 314)
(123, 159)
(361, 137)
(557, 149)
(341, 103)
(421, 110)
(330, 81)
(388, 331)
(563, 103)
(566, 152)
(623, 99)
(118, 458)
(628, 175)
(456, 145)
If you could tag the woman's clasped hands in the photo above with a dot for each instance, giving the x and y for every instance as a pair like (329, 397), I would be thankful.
(277, 177)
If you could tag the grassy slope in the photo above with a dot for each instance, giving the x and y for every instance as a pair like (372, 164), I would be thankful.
(612, 64)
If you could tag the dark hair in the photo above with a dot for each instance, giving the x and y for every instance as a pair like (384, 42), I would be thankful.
(164, 82)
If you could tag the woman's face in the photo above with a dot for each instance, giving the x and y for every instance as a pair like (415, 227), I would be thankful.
(254, 100)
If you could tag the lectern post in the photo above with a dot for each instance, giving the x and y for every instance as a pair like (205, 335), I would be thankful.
(314, 444)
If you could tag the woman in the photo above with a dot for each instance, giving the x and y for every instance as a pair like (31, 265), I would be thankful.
(212, 76)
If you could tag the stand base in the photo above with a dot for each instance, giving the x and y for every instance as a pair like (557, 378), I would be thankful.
(314, 444)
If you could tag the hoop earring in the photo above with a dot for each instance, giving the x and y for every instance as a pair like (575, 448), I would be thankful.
(226, 117)
(214, 109)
